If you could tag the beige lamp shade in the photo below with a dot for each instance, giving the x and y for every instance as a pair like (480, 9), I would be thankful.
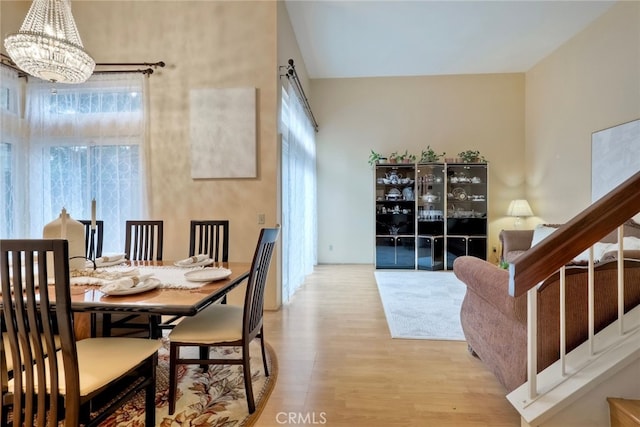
(519, 208)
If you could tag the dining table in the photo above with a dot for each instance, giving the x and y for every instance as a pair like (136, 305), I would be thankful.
(173, 294)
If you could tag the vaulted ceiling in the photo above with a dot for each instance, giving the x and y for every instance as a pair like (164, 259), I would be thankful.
(424, 37)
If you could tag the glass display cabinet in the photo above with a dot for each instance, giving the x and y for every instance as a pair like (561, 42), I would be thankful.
(429, 214)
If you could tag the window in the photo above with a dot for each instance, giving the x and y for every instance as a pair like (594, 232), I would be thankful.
(299, 210)
(11, 140)
(87, 142)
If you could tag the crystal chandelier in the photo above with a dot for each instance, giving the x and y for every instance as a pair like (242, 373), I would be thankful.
(48, 45)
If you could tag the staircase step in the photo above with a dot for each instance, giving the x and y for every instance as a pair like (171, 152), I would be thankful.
(624, 412)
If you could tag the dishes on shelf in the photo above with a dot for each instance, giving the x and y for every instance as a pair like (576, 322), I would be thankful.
(395, 181)
(465, 180)
(430, 215)
(430, 198)
(407, 193)
(459, 193)
(465, 214)
(394, 194)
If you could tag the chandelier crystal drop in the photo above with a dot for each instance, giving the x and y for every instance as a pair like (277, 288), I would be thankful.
(48, 45)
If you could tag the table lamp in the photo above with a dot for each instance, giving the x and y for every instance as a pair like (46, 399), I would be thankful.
(518, 209)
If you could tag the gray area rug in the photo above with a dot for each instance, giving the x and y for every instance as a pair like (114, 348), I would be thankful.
(422, 304)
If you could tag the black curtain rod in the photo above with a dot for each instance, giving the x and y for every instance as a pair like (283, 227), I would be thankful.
(130, 64)
(145, 71)
(6, 60)
(292, 75)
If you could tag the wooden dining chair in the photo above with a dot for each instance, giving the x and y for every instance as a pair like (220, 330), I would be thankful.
(84, 381)
(143, 240)
(227, 325)
(93, 241)
(206, 237)
(209, 237)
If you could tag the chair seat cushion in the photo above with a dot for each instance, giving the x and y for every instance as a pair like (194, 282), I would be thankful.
(102, 360)
(217, 323)
(7, 350)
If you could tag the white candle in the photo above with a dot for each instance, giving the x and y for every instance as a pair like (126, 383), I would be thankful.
(63, 224)
(93, 214)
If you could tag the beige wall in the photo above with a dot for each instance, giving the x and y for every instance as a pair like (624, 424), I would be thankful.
(206, 44)
(449, 113)
(590, 83)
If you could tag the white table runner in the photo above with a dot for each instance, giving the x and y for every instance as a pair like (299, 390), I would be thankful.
(169, 276)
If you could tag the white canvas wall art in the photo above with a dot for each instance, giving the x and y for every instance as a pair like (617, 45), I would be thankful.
(223, 133)
(615, 156)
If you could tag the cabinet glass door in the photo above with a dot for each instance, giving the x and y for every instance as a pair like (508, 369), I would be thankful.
(466, 218)
(395, 216)
(430, 201)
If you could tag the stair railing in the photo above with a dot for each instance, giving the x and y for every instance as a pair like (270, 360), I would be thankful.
(553, 253)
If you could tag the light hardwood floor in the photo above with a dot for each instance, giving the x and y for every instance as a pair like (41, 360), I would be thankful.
(338, 365)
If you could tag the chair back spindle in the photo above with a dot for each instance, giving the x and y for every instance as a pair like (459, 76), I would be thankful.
(143, 240)
(210, 237)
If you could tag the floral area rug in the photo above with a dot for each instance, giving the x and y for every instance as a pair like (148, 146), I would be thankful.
(214, 398)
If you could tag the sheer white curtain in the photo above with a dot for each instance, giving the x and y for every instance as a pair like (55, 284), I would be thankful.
(87, 142)
(299, 206)
(12, 142)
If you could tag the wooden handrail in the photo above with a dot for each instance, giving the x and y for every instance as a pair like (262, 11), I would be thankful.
(580, 233)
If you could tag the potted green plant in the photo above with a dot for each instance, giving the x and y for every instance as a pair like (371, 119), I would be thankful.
(394, 157)
(405, 157)
(429, 155)
(375, 158)
(471, 156)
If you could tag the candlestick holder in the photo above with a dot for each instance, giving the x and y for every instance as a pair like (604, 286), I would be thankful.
(92, 246)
